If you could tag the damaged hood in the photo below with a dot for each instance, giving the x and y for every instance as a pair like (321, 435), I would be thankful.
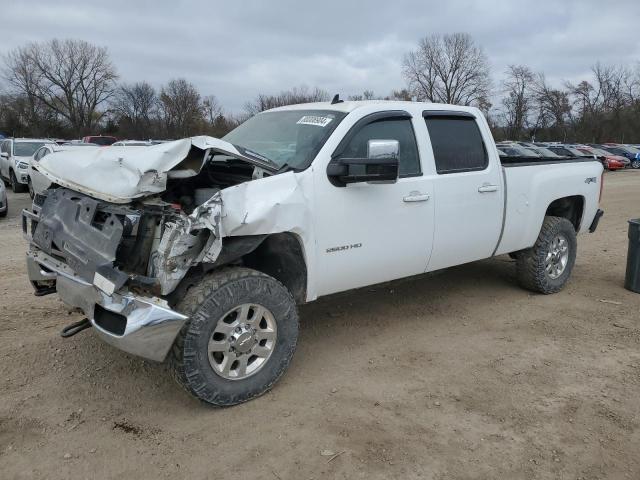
(120, 174)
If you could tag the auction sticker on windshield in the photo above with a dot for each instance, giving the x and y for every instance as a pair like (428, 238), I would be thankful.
(314, 120)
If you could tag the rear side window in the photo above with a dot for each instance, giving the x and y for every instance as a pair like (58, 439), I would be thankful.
(399, 129)
(457, 144)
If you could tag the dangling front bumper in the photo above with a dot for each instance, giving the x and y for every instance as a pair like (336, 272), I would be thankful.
(141, 325)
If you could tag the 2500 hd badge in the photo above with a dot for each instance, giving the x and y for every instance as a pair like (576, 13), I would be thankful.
(343, 247)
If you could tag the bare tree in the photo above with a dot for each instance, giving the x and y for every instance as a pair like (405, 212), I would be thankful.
(448, 69)
(552, 109)
(72, 78)
(211, 108)
(518, 99)
(599, 104)
(287, 97)
(135, 107)
(217, 123)
(181, 108)
(366, 95)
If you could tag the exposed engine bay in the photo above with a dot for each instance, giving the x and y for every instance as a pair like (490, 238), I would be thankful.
(149, 244)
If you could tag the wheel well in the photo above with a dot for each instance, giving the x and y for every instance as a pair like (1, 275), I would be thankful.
(280, 256)
(570, 208)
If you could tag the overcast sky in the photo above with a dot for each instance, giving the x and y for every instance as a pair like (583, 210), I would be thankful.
(239, 48)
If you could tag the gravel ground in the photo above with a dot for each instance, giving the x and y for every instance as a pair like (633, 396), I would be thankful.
(458, 375)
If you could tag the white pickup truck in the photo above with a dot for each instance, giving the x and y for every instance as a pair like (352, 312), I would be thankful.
(197, 251)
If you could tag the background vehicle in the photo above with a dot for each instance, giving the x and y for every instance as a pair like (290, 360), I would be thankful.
(14, 160)
(609, 160)
(197, 251)
(4, 204)
(101, 140)
(631, 153)
(131, 143)
(568, 151)
(516, 150)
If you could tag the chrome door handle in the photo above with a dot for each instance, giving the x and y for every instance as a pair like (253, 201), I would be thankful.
(488, 188)
(416, 197)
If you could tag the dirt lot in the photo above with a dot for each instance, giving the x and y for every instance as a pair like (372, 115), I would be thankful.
(458, 375)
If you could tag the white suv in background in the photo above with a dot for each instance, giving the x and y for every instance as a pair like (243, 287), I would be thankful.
(15, 154)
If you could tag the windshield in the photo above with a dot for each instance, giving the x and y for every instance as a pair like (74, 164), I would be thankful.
(517, 151)
(546, 152)
(102, 141)
(292, 137)
(630, 149)
(576, 152)
(595, 151)
(26, 149)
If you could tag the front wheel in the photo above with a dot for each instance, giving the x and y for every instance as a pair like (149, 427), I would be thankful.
(546, 267)
(15, 186)
(239, 339)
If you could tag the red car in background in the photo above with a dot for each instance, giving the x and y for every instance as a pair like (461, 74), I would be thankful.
(609, 160)
(101, 140)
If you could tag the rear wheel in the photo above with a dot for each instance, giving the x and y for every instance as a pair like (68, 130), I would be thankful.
(546, 267)
(635, 164)
(239, 339)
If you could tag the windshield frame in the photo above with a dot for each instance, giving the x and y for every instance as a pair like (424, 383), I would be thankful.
(252, 152)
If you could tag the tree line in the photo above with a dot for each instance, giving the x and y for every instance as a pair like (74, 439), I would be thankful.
(69, 88)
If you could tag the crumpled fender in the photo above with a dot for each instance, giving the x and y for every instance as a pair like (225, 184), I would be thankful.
(269, 205)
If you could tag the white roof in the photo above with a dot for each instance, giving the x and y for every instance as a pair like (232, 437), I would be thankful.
(350, 106)
(30, 140)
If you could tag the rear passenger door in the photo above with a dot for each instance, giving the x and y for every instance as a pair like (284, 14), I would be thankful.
(468, 190)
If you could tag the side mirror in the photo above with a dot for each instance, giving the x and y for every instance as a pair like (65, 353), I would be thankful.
(380, 166)
(4, 155)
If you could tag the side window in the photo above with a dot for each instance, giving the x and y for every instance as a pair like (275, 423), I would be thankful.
(457, 144)
(5, 147)
(399, 129)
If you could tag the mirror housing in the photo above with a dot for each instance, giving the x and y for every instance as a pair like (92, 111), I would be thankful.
(4, 155)
(380, 166)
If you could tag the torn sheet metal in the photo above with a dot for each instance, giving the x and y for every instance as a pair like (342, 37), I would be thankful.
(120, 174)
(270, 205)
(188, 241)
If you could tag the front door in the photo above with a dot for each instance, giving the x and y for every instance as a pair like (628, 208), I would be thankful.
(370, 233)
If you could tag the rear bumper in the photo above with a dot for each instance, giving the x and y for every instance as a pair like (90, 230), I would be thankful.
(142, 326)
(596, 220)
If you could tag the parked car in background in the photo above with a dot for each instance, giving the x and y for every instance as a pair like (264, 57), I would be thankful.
(515, 150)
(544, 152)
(101, 140)
(15, 154)
(568, 151)
(37, 182)
(4, 204)
(609, 160)
(632, 153)
(132, 143)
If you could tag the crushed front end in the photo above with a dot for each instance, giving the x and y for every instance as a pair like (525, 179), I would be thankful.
(119, 263)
